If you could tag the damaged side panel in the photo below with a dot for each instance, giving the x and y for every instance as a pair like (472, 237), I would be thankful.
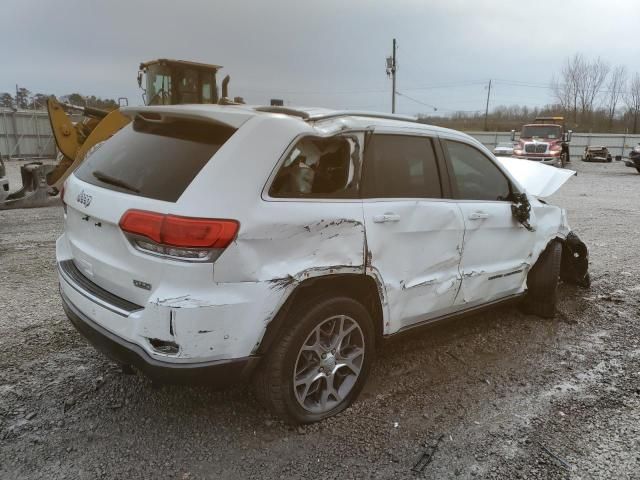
(417, 255)
(286, 242)
(497, 252)
(210, 323)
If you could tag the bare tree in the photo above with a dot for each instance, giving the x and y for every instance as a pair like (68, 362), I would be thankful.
(567, 87)
(615, 89)
(632, 99)
(590, 82)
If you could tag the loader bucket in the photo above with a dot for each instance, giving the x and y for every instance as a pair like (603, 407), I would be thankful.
(34, 191)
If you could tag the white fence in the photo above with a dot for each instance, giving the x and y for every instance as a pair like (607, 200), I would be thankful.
(26, 134)
(618, 144)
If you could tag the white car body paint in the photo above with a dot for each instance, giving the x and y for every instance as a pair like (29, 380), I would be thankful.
(434, 261)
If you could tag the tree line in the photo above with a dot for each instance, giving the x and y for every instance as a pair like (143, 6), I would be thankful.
(25, 100)
(591, 95)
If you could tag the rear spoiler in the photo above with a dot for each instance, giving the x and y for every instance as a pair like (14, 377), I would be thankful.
(161, 114)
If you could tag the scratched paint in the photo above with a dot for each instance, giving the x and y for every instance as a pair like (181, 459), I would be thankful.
(434, 260)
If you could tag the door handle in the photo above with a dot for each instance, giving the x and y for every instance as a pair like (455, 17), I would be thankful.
(478, 216)
(387, 217)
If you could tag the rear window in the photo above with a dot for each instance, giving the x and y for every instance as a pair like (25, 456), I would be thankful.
(154, 160)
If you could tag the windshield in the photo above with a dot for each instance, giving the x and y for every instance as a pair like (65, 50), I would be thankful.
(540, 131)
(158, 85)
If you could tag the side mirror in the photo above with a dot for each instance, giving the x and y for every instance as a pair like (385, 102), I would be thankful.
(140, 78)
(567, 136)
(513, 135)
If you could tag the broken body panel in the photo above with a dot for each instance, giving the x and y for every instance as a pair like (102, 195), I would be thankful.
(433, 260)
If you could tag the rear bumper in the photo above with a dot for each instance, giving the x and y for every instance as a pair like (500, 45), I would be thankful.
(217, 372)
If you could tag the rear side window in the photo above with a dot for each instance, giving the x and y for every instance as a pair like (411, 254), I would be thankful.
(475, 176)
(154, 160)
(400, 166)
(319, 168)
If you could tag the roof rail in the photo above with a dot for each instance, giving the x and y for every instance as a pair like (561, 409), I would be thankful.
(348, 113)
(284, 110)
(310, 117)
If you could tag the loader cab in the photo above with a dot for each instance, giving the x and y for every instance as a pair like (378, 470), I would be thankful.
(175, 82)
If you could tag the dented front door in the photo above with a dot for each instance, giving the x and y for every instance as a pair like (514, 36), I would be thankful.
(496, 253)
(414, 246)
(414, 237)
(497, 248)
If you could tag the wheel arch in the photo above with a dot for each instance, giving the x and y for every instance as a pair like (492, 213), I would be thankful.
(359, 286)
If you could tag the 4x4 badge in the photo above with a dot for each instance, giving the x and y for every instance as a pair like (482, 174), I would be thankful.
(84, 198)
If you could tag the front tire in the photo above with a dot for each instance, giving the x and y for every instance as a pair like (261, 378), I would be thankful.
(542, 282)
(320, 364)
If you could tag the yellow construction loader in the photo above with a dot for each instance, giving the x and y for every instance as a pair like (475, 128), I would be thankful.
(166, 82)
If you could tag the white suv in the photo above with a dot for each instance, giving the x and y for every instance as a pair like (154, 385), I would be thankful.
(222, 242)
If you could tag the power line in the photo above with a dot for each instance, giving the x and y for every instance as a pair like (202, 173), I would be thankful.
(417, 101)
(433, 106)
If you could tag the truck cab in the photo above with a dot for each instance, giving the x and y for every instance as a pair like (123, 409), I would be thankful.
(546, 140)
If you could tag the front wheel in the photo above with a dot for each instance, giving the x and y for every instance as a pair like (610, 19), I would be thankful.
(319, 366)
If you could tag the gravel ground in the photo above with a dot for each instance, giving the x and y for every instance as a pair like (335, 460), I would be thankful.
(510, 395)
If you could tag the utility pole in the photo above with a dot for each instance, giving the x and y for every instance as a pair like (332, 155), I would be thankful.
(391, 71)
(486, 110)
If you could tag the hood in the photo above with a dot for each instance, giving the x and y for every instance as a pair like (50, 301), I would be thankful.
(536, 178)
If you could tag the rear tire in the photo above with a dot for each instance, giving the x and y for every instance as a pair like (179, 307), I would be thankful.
(542, 282)
(305, 378)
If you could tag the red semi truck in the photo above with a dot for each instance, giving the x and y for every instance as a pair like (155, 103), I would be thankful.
(546, 140)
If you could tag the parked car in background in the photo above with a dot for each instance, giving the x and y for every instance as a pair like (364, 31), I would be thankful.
(504, 149)
(634, 158)
(594, 153)
(218, 243)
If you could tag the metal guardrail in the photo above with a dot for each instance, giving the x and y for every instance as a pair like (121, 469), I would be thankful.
(26, 134)
(618, 144)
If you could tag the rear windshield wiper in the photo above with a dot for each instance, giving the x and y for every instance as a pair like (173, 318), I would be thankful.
(103, 177)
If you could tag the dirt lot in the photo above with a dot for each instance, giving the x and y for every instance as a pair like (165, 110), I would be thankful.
(514, 396)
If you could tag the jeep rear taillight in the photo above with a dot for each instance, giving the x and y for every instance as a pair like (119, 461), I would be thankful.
(184, 238)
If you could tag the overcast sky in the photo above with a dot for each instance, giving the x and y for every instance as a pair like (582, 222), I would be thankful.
(326, 52)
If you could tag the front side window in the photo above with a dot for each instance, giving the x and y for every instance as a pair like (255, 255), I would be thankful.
(158, 85)
(400, 166)
(188, 86)
(319, 168)
(209, 93)
(474, 175)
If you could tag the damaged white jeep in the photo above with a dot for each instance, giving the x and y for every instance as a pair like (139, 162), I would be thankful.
(219, 243)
